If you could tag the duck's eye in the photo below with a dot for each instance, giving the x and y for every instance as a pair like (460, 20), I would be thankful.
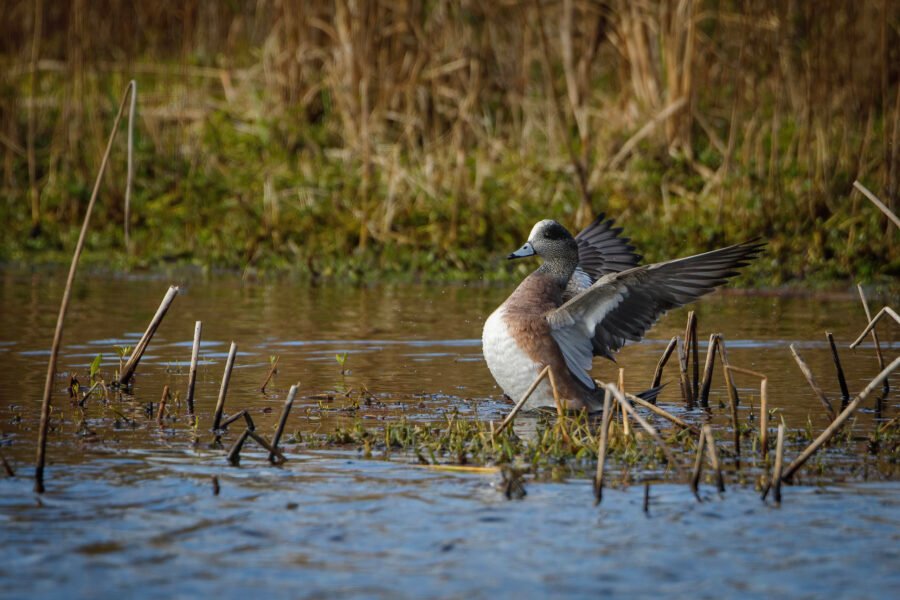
(554, 233)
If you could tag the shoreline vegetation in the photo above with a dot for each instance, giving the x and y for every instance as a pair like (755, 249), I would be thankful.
(421, 141)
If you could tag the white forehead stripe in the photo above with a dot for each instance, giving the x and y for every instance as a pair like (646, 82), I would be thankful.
(538, 226)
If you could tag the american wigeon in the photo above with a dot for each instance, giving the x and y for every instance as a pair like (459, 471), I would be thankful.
(587, 299)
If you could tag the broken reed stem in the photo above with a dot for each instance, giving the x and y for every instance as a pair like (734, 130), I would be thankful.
(192, 374)
(887, 310)
(627, 408)
(223, 390)
(525, 396)
(88, 394)
(130, 176)
(662, 413)
(729, 380)
(807, 372)
(560, 411)
(282, 421)
(763, 407)
(683, 375)
(714, 457)
(845, 392)
(838, 422)
(224, 424)
(272, 370)
(64, 306)
(779, 461)
(764, 417)
(647, 497)
(878, 355)
(732, 397)
(273, 451)
(626, 424)
(698, 465)
(161, 412)
(874, 200)
(135, 358)
(601, 450)
(234, 453)
(692, 353)
(249, 420)
(708, 369)
(7, 468)
(657, 375)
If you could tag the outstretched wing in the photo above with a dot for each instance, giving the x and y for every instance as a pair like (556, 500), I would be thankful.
(602, 251)
(622, 306)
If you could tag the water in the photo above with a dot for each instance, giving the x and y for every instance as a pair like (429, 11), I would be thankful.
(130, 508)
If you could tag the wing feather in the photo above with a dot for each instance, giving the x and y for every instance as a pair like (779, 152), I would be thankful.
(622, 306)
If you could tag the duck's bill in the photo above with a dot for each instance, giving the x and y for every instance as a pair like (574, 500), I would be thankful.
(526, 250)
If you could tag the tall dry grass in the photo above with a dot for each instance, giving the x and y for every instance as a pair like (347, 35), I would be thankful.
(754, 110)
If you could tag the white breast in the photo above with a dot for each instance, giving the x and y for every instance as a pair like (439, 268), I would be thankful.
(511, 367)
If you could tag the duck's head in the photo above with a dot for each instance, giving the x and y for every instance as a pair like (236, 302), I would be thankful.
(551, 241)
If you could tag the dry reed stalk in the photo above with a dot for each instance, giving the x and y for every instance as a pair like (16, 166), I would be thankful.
(579, 166)
(887, 310)
(249, 420)
(647, 497)
(273, 451)
(732, 406)
(234, 453)
(649, 127)
(708, 369)
(698, 465)
(135, 358)
(691, 337)
(779, 462)
(874, 200)
(215, 485)
(161, 412)
(845, 392)
(835, 425)
(714, 457)
(560, 410)
(807, 372)
(878, 355)
(601, 450)
(192, 373)
(282, 420)
(130, 177)
(650, 429)
(885, 426)
(7, 468)
(37, 27)
(525, 396)
(684, 380)
(271, 372)
(729, 380)
(626, 425)
(763, 407)
(657, 375)
(661, 412)
(88, 394)
(64, 306)
(223, 389)
(238, 415)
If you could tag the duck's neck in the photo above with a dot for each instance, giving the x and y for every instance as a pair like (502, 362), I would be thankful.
(559, 269)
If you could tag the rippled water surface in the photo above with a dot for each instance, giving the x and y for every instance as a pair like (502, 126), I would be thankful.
(130, 508)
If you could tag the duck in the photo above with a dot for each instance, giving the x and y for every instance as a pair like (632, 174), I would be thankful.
(588, 297)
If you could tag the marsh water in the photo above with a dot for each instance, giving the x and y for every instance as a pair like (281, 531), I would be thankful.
(130, 508)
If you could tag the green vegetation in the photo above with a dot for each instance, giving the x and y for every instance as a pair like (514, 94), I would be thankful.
(569, 448)
(424, 139)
